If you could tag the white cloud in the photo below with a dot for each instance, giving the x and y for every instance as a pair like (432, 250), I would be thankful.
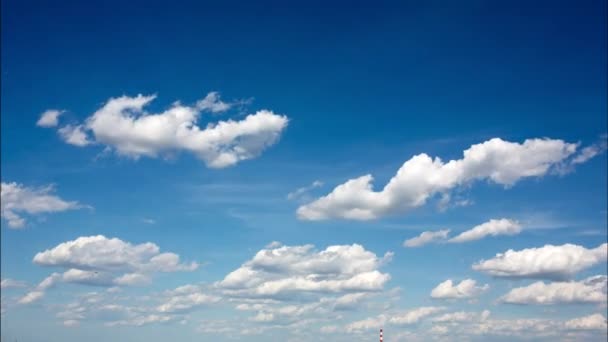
(213, 103)
(17, 199)
(123, 125)
(412, 316)
(426, 238)
(548, 262)
(591, 151)
(590, 290)
(421, 177)
(50, 118)
(465, 289)
(415, 315)
(8, 283)
(112, 255)
(367, 324)
(39, 291)
(291, 270)
(470, 325)
(71, 323)
(31, 297)
(185, 298)
(298, 193)
(462, 316)
(100, 261)
(74, 135)
(591, 322)
(493, 227)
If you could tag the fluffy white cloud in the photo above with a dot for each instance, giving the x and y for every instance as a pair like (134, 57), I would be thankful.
(465, 289)
(290, 270)
(412, 316)
(548, 262)
(16, 199)
(185, 298)
(112, 255)
(591, 322)
(478, 326)
(101, 261)
(367, 324)
(493, 227)
(426, 238)
(462, 316)
(421, 177)
(415, 315)
(590, 290)
(74, 135)
(123, 125)
(50, 118)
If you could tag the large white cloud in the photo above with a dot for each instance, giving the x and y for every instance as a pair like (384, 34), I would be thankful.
(590, 290)
(426, 238)
(281, 271)
(548, 262)
(421, 177)
(465, 289)
(493, 227)
(17, 199)
(123, 125)
(101, 261)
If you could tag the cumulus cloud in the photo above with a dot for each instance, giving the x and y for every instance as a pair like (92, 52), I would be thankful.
(462, 316)
(591, 322)
(493, 227)
(496, 160)
(548, 262)
(426, 238)
(185, 298)
(415, 315)
(465, 289)
(17, 199)
(123, 125)
(590, 290)
(74, 135)
(291, 270)
(412, 316)
(101, 261)
(50, 118)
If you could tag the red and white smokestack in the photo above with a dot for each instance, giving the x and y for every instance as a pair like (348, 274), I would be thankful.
(380, 335)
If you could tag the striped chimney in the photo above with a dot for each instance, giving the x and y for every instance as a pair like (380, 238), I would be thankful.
(380, 335)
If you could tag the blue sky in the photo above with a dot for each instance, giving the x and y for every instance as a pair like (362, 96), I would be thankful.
(274, 97)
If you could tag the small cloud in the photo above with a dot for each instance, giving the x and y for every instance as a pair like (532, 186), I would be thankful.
(50, 118)
(426, 238)
(148, 221)
(301, 192)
